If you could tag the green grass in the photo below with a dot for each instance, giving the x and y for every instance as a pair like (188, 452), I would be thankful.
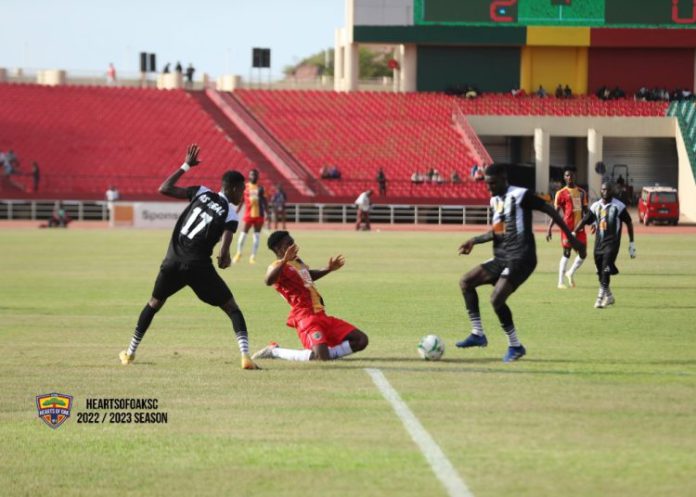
(603, 404)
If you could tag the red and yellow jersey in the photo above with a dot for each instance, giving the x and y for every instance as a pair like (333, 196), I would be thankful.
(572, 201)
(253, 205)
(295, 284)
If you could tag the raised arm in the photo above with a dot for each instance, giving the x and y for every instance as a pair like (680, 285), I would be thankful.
(335, 263)
(169, 187)
(274, 270)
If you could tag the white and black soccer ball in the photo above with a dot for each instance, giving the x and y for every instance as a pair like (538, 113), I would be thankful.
(431, 348)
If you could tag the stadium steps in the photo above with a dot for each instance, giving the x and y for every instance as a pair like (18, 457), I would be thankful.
(269, 174)
(272, 148)
(360, 132)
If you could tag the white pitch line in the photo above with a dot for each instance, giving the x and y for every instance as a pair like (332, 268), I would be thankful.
(437, 459)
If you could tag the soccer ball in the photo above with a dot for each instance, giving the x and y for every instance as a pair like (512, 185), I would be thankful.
(431, 347)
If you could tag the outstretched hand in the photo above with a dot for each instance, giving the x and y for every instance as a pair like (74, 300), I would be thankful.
(336, 263)
(192, 155)
(291, 253)
(466, 247)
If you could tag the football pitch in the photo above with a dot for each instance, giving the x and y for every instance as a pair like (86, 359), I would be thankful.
(604, 403)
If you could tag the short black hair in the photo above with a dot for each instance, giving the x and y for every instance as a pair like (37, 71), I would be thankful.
(276, 238)
(496, 169)
(232, 178)
(571, 169)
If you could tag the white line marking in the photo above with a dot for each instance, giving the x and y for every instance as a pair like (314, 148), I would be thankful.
(437, 459)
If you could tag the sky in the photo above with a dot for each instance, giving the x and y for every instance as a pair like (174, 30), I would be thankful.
(216, 36)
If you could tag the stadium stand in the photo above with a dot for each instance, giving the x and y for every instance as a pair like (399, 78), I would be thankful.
(360, 132)
(509, 105)
(86, 138)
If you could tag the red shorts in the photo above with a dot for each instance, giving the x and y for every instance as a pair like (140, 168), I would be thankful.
(580, 235)
(320, 328)
(256, 222)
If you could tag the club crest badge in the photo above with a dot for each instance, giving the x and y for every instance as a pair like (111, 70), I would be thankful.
(54, 408)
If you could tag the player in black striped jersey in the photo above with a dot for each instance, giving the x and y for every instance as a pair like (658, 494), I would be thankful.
(208, 218)
(514, 251)
(608, 214)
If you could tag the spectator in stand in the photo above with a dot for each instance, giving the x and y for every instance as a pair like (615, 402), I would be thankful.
(455, 178)
(617, 93)
(480, 174)
(417, 178)
(324, 172)
(334, 173)
(429, 175)
(567, 92)
(189, 75)
(10, 163)
(437, 177)
(559, 91)
(602, 93)
(112, 194)
(278, 201)
(111, 74)
(541, 92)
(35, 176)
(382, 182)
(363, 202)
(474, 170)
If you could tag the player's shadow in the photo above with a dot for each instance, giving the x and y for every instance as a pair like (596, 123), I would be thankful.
(448, 360)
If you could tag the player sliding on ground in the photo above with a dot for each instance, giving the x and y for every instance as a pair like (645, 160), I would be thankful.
(208, 217)
(323, 337)
(514, 256)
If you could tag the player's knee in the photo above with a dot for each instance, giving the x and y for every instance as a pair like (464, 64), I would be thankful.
(156, 303)
(497, 301)
(359, 341)
(320, 353)
(465, 283)
(230, 306)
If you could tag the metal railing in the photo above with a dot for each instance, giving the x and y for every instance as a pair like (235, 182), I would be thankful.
(36, 210)
(41, 210)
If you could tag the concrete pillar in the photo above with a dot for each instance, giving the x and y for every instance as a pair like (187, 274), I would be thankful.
(595, 154)
(228, 82)
(352, 66)
(51, 77)
(170, 81)
(408, 56)
(338, 60)
(542, 154)
(3, 74)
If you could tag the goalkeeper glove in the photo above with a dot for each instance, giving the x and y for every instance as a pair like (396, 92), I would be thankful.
(632, 250)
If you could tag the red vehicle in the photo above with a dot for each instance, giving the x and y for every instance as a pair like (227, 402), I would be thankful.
(658, 203)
